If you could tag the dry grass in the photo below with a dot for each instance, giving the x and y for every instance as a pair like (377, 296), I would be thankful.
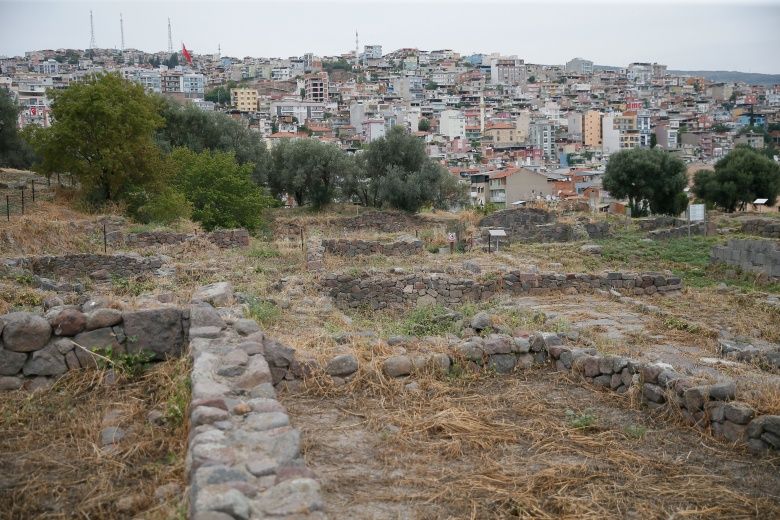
(503, 447)
(53, 466)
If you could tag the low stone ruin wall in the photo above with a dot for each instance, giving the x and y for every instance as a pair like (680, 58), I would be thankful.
(659, 222)
(35, 348)
(383, 221)
(712, 408)
(697, 228)
(79, 265)
(396, 289)
(244, 458)
(347, 247)
(315, 254)
(223, 238)
(763, 227)
(757, 256)
(538, 225)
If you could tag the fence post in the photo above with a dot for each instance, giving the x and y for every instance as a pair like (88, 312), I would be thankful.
(23, 188)
(105, 238)
(8, 208)
(32, 185)
(59, 179)
(302, 247)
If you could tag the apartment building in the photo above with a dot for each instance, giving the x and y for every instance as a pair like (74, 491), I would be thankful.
(579, 66)
(575, 126)
(316, 86)
(501, 133)
(244, 99)
(541, 135)
(592, 128)
(452, 123)
(507, 71)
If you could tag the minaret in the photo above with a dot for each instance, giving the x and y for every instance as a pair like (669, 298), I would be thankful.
(122, 31)
(357, 47)
(170, 39)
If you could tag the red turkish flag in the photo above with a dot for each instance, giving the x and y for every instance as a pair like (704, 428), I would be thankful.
(186, 54)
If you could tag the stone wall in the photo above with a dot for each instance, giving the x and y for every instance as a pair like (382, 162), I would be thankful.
(763, 227)
(35, 348)
(661, 221)
(223, 238)
(81, 264)
(538, 225)
(383, 221)
(345, 247)
(697, 228)
(315, 254)
(399, 289)
(244, 458)
(757, 256)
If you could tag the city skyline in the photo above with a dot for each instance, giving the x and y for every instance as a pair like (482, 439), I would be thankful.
(684, 36)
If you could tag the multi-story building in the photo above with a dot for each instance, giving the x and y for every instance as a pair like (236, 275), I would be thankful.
(316, 87)
(374, 129)
(644, 126)
(610, 136)
(372, 52)
(579, 66)
(452, 123)
(640, 73)
(244, 99)
(541, 135)
(666, 133)
(501, 133)
(507, 71)
(192, 85)
(575, 127)
(302, 111)
(592, 128)
(517, 184)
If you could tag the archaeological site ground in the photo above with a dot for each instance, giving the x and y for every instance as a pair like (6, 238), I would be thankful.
(352, 364)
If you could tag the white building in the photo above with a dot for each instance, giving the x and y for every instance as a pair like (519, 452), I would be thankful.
(372, 52)
(452, 123)
(541, 134)
(193, 85)
(610, 136)
(374, 129)
(300, 110)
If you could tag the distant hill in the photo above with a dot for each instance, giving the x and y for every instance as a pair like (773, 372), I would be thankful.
(718, 76)
(731, 76)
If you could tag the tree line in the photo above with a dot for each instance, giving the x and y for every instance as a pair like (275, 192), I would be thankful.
(164, 161)
(653, 181)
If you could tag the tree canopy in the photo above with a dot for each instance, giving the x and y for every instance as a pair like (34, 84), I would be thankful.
(103, 134)
(198, 130)
(307, 169)
(14, 151)
(741, 177)
(219, 189)
(651, 180)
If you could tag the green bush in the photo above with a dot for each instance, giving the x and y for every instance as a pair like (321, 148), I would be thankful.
(129, 365)
(427, 321)
(263, 311)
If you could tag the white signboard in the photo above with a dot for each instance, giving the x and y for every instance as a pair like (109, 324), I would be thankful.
(696, 212)
(451, 237)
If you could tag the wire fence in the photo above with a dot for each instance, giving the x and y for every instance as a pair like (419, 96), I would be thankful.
(19, 197)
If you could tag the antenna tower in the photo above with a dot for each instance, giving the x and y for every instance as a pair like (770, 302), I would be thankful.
(170, 39)
(91, 32)
(357, 47)
(122, 31)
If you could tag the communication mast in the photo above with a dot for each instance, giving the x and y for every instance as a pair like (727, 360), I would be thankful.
(170, 39)
(122, 31)
(91, 32)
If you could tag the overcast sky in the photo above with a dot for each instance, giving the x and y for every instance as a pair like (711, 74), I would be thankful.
(693, 35)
